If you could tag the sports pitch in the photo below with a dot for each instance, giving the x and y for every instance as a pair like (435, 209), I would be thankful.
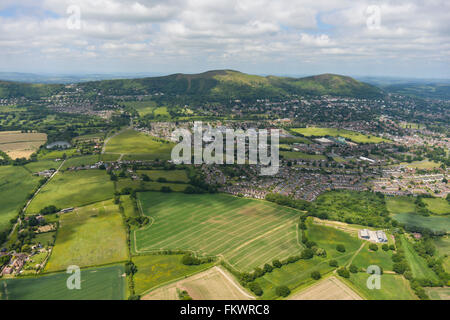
(246, 233)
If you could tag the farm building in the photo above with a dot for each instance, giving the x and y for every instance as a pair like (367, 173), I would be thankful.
(374, 236)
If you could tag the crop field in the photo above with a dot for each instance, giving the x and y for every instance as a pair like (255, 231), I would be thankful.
(88, 236)
(21, 145)
(73, 189)
(393, 287)
(328, 289)
(433, 223)
(213, 284)
(137, 144)
(438, 206)
(247, 233)
(301, 155)
(157, 270)
(15, 185)
(419, 267)
(104, 283)
(332, 132)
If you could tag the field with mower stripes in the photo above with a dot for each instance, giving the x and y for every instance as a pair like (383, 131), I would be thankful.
(246, 233)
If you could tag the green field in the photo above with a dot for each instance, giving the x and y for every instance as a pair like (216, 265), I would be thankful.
(139, 145)
(106, 283)
(393, 287)
(80, 161)
(437, 206)
(38, 166)
(74, 189)
(332, 132)
(246, 233)
(366, 258)
(425, 164)
(89, 236)
(142, 107)
(148, 185)
(56, 154)
(419, 267)
(169, 175)
(438, 293)
(443, 247)
(398, 205)
(289, 155)
(156, 270)
(433, 223)
(15, 185)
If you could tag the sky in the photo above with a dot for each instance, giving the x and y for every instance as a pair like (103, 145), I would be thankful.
(284, 37)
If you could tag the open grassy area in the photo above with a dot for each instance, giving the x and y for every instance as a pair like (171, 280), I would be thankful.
(443, 247)
(89, 236)
(433, 223)
(56, 154)
(289, 155)
(421, 165)
(397, 205)
(169, 175)
(437, 206)
(80, 161)
(74, 189)
(105, 283)
(21, 145)
(15, 185)
(156, 270)
(38, 166)
(367, 257)
(332, 132)
(247, 233)
(393, 287)
(148, 185)
(142, 107)
(131, 142)
(419, 267)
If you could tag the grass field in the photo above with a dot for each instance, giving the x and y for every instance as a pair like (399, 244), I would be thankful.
(38, 166)
(156, 270)
(89, 236)
(15, 185)
(437, 206)
(213, 284)
(56, 154)
(328, 289)
(397, 205)
(169, 175)
(74, 189)
(425, 164)
(21, 145)
(366, 258)
(438, 293)
(149, 185)
(106, 283)
(247, 233)
(142, 107)
(433, 223)
(393, 287)
(289, 155)
(80, 161)
(419, 267)
(332, 132)
(443, 247)
(137, 144)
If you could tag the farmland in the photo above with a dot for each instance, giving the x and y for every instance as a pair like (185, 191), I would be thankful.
(328, 289)
(139, 145)
(438, 206)
(213, 284)
(247, 233)
(104, 283)
(433, 223)
(367, 257)
(332, 132)
(16, 183)
(89, 236)
(21, 145)
(73, 189)
(157, 270)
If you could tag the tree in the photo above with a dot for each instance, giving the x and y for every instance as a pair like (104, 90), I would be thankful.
(385, 247)
(343, 272)
(282, 291)
(315, 275)
(340, 248)
(276, 263)
(130, 268)
(267, 268)
(400, 267)
(307, 254)
(373, 247)
(189, 260)
(333, 263)
(166, 189)
(255, 288)
(353, 269)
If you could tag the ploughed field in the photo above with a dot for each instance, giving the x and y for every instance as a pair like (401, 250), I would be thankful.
(246, 233)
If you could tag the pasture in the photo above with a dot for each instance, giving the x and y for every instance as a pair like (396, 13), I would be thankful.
(332, 132)
(21, 145)
(434, 223)
(366, 258)
(213, 284)
(73, 189)
(80, 161)
(397, 205)
(104, 283)
(16, 183)
(148, 185)
(137, 145)
(89, 236)
(156, 270)
(328, 289)
(246, 233)
(393, 287)
(169, 175)
(438, 206)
